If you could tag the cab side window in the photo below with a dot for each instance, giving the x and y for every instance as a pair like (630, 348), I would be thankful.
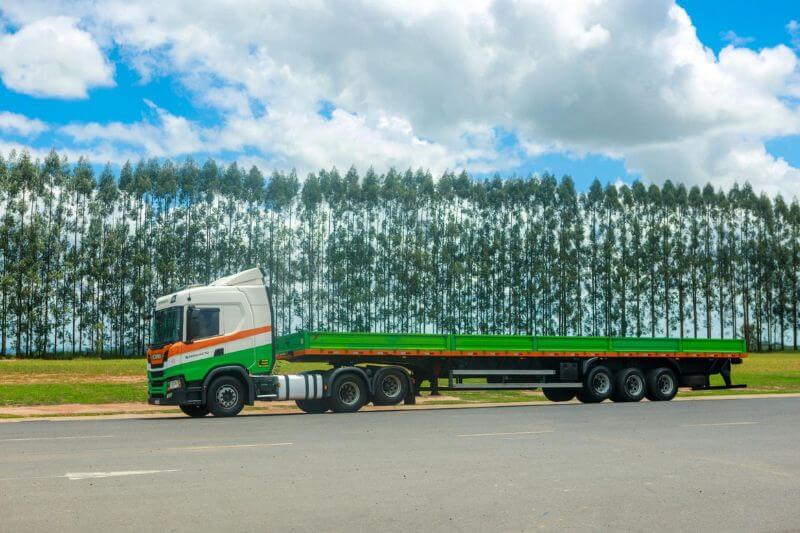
(203, 322)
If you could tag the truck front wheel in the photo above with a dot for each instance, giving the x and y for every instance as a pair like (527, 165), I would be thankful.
(348, 394)
(225, 396)
(195, 411)
(313, 407)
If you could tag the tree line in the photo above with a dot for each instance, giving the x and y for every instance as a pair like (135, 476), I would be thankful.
(85, 253)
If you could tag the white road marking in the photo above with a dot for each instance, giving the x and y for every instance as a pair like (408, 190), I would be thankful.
(711, 424)
(226, 446)
(30, 477)
(77, 476)
(505, 434)
(59, 438)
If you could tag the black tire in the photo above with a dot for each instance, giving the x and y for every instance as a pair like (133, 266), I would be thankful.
(348, 393)
(629, 385)
(598, 385)
(195, 411)
(390, 386)
(226, 396)
(559, 394)
(313, 407)
(582, 397)
(662, 385)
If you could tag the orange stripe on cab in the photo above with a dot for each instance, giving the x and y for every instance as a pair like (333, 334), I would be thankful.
(182, 347)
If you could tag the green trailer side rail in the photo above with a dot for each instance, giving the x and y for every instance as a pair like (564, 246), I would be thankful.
(421, 344)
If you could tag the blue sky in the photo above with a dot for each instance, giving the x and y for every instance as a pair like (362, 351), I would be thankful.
(616, 91)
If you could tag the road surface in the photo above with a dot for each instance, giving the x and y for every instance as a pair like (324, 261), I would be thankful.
(701, 465)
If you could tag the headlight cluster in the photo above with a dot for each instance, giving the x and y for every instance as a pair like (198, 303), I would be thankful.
(173, 384)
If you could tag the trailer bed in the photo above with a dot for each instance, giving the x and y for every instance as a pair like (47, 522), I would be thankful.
(315, 344)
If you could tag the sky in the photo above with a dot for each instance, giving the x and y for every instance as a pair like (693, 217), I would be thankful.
(697, 91)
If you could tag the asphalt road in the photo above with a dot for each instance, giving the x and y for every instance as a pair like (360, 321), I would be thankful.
(704, 465)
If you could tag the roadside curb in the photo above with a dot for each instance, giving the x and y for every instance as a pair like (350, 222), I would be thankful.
(150, 413)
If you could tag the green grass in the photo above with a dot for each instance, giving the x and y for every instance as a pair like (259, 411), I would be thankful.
(50, 394)
(47, 382)
(74, 367)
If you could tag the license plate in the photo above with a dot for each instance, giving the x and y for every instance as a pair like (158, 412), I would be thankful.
(157, 401)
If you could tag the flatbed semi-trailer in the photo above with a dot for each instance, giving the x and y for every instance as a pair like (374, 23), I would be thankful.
(215, 347)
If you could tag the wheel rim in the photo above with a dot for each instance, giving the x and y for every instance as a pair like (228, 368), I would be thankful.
(634, 385)
(391, 386)
(349, 393)
(227, 396)
(601, 383)
(665, 384)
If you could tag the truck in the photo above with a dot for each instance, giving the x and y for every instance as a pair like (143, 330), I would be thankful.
(214, 347)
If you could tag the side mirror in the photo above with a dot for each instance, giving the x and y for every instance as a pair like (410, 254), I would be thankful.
(191, 325)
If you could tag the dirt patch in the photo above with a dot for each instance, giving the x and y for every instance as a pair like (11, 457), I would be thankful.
(58, 379)
(82, 409)
(441, 398)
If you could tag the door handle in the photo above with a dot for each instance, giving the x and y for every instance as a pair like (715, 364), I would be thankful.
(219, 351)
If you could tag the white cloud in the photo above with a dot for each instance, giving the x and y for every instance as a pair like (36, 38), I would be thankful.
(168, 135)
(21, 125)
(732, 37)
(429, 84)
(793, 27)
(53, 57)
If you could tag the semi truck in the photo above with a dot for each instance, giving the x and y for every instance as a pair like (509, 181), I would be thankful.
(214, 347)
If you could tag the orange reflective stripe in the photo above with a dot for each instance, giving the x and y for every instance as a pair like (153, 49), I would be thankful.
(181, 347)
(451, 353)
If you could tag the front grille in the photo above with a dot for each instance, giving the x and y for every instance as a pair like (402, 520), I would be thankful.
(156, 384)
(155, 380)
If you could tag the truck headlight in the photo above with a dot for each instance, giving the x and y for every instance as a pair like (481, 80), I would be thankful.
(173, 384)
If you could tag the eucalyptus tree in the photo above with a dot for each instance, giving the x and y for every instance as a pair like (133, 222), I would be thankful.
(592, 205)
(83, 256)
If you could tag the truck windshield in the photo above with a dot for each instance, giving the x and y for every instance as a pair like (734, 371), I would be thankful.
(167, 326)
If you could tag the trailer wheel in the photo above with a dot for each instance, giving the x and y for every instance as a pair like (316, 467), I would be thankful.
(195, 411)
(225, 396)
(558, 395)
(662, 385)
(629, 386)
(313, 407)
(597, 385)
(348, 393)
(390, 386)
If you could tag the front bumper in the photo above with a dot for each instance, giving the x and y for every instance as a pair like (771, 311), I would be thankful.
(176, 397)
(157, 393)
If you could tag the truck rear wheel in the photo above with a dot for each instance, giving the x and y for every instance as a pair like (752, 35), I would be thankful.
(225, 396)
(597, 385)
(348, 393)
(195, 411)
(662, 385)
(313, 407)
(630, 385)
(390, 386)
(558, 395)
